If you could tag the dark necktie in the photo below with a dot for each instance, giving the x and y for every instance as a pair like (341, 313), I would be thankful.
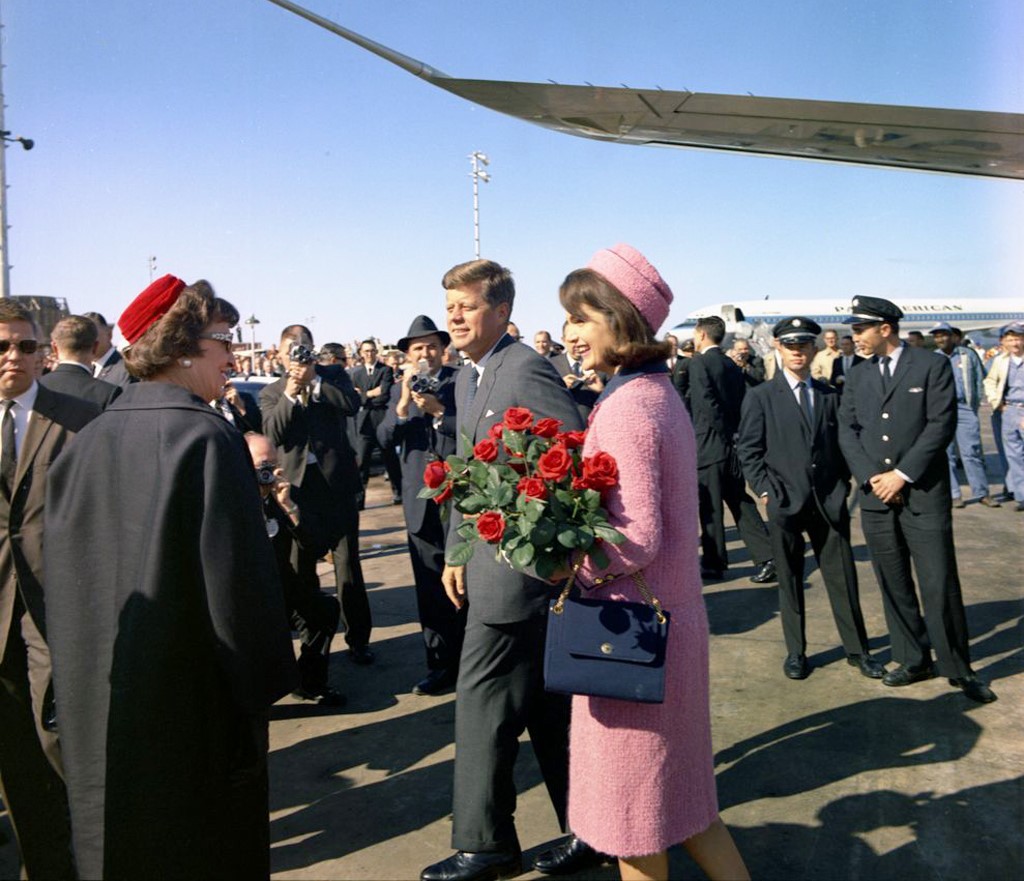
(886, 372)
(805, 403)
(474, 378)
(8, 450)
(577, 371)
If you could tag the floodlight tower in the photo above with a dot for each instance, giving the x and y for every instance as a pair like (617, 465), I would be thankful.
(478, 174)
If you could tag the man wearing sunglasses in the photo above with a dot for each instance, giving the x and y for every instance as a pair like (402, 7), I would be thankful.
(35, 426)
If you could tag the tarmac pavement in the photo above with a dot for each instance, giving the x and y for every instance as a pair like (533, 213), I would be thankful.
(832, 777)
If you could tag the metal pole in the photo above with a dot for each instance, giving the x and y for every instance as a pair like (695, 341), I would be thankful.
(5, 272)
(478, 175)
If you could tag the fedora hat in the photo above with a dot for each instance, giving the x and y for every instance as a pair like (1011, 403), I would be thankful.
(422, 326)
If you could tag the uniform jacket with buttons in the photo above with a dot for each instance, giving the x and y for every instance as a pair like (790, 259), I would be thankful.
(788, 459)
(906, 428)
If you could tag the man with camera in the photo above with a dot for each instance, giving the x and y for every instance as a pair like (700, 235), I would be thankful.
(304, 416)
(313, 614)
(421, 421)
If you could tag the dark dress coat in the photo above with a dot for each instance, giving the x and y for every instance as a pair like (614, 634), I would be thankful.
(373, 409)
(716, 396)
(838, 377)
(72, 379)
(584, 397)
(169, 640)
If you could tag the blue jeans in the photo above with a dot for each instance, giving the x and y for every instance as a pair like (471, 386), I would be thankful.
(1013, 446)
(968, 439)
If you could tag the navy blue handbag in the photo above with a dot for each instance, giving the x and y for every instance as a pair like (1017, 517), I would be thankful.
(607, 648)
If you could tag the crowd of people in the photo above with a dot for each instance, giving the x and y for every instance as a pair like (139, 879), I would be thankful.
(162, 530)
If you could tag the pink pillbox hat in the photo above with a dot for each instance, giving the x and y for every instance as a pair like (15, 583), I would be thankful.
(639, 282)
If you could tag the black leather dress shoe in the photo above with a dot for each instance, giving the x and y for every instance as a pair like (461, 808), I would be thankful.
(795, 667)
(975, 689)
(360, 654)
(903, 675)
(325, 697)
(435, 682)
(572, 855)
(867, 665)
(463, 866)
(766, 574)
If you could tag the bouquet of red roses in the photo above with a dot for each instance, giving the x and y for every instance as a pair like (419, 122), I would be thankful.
(529, 491)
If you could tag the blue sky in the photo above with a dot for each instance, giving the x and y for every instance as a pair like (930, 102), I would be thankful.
(311, 181)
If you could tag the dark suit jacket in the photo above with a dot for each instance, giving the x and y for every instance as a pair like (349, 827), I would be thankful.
(114, 359)
(584, 397)
(70, 379)
(753, 373)
(837, 370)
(514, 376)
(681, 378)
(383, 378)
(117, 375)
(716, 396)
(55, 420)
(251, 419)
(908, 428)
(420, 443)
(318, 427)
(785, 458)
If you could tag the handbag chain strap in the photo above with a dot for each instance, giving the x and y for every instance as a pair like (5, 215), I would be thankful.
(638, 580)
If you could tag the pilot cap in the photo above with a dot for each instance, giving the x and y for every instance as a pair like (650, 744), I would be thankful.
(796, 330)
(639, 282)
(149, 307)
(865, 310)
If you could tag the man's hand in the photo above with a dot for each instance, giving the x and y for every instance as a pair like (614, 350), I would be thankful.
(282, 490)
(593, 382)
(232, 396)
(570, 379)
(374, 392)
(887, 486)
(300, 377)
(454, 580)
(429, 404)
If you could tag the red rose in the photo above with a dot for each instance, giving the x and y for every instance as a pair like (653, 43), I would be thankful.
(517, 465)
(518, 419)
(486, 450)
(532, 488)
(435, 474)
(444, 495)
(547, 427)
(555, 463)
(581, 483)
(572, 439)
(490, 526)
(600, 471)
(495, 430)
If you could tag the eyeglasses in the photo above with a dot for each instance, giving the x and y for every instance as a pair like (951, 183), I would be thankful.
(26, 347)
(225, 338)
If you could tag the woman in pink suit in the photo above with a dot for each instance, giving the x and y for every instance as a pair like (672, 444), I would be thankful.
(642, 775)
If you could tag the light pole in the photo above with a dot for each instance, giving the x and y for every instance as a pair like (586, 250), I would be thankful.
(252, 321)
(27, 144)
(152, 267)
(478, 174)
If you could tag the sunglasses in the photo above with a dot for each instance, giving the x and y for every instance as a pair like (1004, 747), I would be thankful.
(26, 347)
(225, 338)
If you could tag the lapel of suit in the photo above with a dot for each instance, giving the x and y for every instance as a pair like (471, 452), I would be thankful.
(39, 424)
(487, 382)
(818, 402)
(788, 409)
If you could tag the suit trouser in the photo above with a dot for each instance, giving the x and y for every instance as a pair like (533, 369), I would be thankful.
(968, 440)
(832, 550)
(315, 617)
(367, 441)
(895, 537)
(443, 625)
(723, 482)
(500, 693)
(30, 771)
(341, 511)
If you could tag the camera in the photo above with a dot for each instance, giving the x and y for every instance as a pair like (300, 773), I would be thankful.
(301, 354)
(423, 383)
(265, 474)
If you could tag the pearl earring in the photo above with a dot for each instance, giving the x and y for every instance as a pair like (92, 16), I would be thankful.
(185, 362)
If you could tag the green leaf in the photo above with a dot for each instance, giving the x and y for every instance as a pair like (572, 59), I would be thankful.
(522, 556)
(467, 445)
(503, 495)
(567, 538)
(564, 496)
(599, 558)
(459, 554)
(473, 504)
(467, 530)
(543, 532)
(609, 534)
(584, 538)
(426, 493)
(533, 510)
(478, 473)
(455, 463)
(546, 565)
(592, 499)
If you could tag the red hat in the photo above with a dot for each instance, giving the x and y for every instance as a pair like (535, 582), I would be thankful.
(149, 307)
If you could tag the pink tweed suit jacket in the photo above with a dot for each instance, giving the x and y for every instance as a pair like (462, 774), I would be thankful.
(641, 776)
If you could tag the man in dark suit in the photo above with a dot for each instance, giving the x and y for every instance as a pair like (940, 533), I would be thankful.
(75, 340)
(751, 365)
(681, 372)
(304, 416)
(240, 409)
(847, 360)
(897, 418)
(36, 425)
(716, 395)
(421, 422)
(312, 613)
(500, 689)
(108, 364)
(585, 388)
(789, 446)
(373, 379)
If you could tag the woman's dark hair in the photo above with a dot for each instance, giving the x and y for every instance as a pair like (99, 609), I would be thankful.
(176, 334)
(635, 342)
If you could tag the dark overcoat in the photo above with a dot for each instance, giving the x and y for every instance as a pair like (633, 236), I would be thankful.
(71, 379)
(169, 640)
(716, 395)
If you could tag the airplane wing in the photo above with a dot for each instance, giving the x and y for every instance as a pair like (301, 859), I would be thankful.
(969, 142)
